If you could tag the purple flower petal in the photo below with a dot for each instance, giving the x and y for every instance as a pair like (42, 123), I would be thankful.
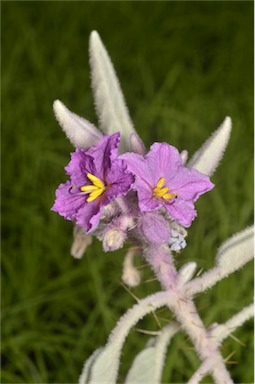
(182, 211)
(67, 204)
(189, 183)
(80, 165)
(138, 165)
(119, 180)
(104, 153)
(89, 216)
(163, 159)
(146, 200)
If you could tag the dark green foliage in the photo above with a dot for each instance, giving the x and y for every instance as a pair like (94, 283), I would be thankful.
(183, 67)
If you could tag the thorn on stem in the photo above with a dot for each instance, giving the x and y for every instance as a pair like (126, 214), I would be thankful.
(129, 291)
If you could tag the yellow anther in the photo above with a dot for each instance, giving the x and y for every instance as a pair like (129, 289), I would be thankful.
(169, 196)
(94, 195)
(95, 180)
(159, 191)
(95, 189)
(161, 182)
(88, 188)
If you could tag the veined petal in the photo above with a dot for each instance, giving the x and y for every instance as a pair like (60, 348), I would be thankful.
(208, 157)
(67, 204)
(104, 153)
(138, 165)
(182, 211)
(80, 165)
(189, 184)
(79, 131)
(163, 159)
(89, 217)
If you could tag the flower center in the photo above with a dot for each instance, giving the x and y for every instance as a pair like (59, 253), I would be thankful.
(95, 189)
(160, 191)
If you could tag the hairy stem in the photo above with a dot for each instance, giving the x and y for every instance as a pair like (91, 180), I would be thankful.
(185, 311)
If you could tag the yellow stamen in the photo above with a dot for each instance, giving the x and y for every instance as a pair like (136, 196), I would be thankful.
(169, 196)
(95, 180)
(88, 188)
(94, 195)
(95, 189)
(159, 191)
(161, 182)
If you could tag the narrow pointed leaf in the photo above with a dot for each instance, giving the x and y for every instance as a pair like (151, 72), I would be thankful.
(232, 255)
(222, 331)
(136, 144)
(236, 251)
(79, 131)
(186, 272)
(109, 100)
(208, 157)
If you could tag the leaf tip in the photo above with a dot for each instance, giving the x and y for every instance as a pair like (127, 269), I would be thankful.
(227, 126)
(58, 108)
(94, 38)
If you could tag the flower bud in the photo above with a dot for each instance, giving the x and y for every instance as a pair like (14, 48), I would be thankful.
(154, 227)
(109, 211)
(80, 242)
(113, 238)
(186, 272)
(125, 222)
(130, 275)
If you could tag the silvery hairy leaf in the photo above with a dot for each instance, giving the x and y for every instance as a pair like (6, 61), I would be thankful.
(109, 100)
(85, 376)
(222, 331)
(208, 157)
(232, 255)
(148, 364)
(79, 131)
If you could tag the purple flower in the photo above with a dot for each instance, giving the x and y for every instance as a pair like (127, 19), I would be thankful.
(97, 176)
(161, 180)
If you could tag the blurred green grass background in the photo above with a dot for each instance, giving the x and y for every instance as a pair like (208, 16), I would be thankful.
(183, 67)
